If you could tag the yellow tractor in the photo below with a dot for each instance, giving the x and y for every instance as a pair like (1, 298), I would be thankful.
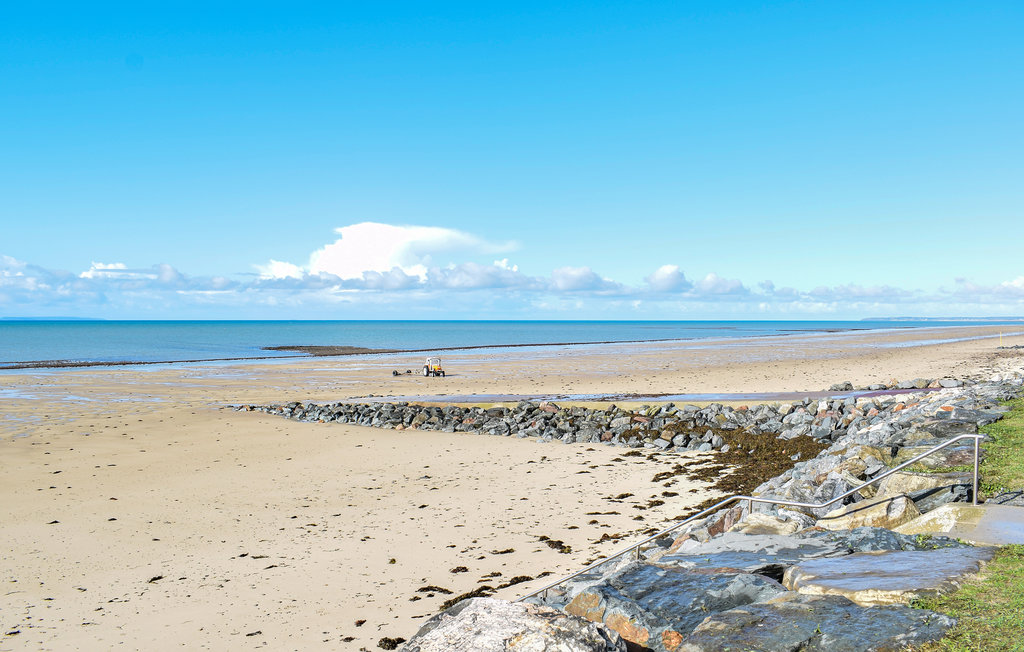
(432, 367)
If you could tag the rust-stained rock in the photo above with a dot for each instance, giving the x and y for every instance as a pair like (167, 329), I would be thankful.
(656, 606)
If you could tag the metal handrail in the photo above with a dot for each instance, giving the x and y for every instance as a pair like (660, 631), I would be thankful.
(753, 499)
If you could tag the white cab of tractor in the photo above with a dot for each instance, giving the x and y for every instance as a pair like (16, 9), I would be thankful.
(432, 367)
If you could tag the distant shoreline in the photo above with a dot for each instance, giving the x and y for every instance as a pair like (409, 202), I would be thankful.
(310, 351)
(328, 351)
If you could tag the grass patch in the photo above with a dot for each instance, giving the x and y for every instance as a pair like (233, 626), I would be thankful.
(1002, 468)
(990, 608)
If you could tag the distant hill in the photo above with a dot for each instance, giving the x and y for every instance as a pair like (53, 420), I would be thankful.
(1016, 318)
(51, 319)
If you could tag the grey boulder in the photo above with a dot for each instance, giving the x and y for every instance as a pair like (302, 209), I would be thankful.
(491, 625)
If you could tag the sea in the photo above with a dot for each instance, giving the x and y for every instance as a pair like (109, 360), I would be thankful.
(58, 342)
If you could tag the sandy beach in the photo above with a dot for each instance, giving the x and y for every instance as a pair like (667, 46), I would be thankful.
(139, 512)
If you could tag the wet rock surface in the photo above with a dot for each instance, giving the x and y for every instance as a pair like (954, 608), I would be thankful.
(768, 555)
(807, 623)
(887, 577)
(490, 625)
(773, 555)
(1015, 498)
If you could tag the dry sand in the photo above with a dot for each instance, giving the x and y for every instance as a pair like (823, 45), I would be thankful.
(137, 512)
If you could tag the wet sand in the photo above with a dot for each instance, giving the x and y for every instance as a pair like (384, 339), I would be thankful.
(139, 512)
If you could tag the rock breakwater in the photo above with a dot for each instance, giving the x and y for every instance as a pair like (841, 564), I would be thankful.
(664, 427)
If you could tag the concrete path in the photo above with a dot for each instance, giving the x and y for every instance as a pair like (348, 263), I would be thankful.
(986, 524)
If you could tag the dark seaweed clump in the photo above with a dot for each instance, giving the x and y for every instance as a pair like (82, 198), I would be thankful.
(750, 461)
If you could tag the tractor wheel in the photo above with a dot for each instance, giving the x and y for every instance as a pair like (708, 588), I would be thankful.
(426, 372)
(442, 374)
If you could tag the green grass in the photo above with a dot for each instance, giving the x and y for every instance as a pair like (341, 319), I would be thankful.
(990, 608)
(1002, 468)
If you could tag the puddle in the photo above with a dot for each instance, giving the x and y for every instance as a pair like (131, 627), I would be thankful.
(16, 393)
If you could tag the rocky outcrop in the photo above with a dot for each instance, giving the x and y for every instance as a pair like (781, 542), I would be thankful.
(490, 625)
(657, 606)
(870, 447)
(792, 622)
(871, 565)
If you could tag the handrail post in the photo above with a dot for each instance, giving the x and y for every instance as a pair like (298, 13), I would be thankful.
(974, 494)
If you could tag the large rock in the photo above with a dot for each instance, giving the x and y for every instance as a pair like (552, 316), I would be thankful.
(766, 524)
(876, 539)
(941, 429)
(979, 417)
(490, 625)
(958, 454)
(887, 577)
(792, 622)
(928, 490)
(656, 606)
(887, 513)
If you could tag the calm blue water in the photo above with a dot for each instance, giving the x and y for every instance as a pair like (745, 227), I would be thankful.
(156, 341)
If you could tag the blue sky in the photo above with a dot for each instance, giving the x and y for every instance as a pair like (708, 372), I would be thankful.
(677, 160)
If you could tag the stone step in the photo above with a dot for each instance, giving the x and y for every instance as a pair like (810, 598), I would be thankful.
(986, 524)
(887, 577)
(791, 622)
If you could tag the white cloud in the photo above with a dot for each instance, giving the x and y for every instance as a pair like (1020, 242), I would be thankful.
(106, 270)
(668, 278)
(715, 284)
(1015, 284)
(10, 267)
(280, 269)
(574, 279)
(468, 276)
(375, 247)
(438, 272)
(392, 279)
